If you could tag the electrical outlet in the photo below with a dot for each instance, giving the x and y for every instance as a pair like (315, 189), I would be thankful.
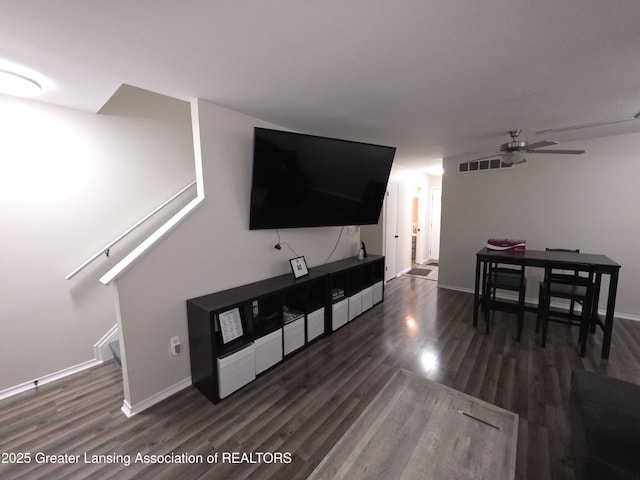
(174, 345)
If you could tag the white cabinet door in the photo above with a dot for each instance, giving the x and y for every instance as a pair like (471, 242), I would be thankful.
(355, 305)
(268, 350)
(293, 335)
(236, 370)
(377, 293)
(315, 324)
(367, 298)
(339, 314)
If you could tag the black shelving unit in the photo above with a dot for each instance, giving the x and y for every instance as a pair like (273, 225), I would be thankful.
(355, 278)
(278, 316)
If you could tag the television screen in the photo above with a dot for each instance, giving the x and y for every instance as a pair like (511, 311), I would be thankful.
(309, 181)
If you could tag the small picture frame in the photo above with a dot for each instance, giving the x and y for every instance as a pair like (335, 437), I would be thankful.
(299, 267)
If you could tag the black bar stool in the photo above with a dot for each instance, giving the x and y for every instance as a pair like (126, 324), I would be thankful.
(572, 282)
(504, 277)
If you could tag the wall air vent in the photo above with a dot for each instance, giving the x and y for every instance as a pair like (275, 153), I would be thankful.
(481, 165)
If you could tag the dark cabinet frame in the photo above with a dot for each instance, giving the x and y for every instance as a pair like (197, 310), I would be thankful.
(261, 305)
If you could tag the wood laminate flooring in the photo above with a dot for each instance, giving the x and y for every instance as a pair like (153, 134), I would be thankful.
(302, 407)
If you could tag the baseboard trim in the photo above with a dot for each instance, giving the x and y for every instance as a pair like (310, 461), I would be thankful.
(533, 302)
(457, 289)
(52, 377)
(101, 348)
(131, 410)
(406, 270)
(626, 316)
(102, 355)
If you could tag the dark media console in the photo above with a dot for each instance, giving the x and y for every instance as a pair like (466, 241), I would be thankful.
(239, 333)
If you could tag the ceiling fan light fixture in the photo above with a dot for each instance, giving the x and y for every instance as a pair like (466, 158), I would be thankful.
(513, 158)
(513, 152)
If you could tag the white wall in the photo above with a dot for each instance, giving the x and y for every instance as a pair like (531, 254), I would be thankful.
(69, 183)
(588, 201)
(372, 235)
(211, 250)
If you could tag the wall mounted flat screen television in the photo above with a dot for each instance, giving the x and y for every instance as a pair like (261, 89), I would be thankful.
(309, 181)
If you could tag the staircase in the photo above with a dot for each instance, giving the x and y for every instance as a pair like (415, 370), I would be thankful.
(115, 349)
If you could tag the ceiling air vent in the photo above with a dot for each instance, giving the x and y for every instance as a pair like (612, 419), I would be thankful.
(481, 165)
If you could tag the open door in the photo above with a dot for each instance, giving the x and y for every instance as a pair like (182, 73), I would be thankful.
(391, 232)
(434, 237)
(415, 229)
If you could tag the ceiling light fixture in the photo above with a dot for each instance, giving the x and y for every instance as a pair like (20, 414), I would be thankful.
(15, 84)
(513, 158)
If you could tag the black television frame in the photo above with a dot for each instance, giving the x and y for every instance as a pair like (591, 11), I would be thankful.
(302, 181)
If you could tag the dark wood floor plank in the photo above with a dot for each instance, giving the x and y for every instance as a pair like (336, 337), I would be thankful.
(303, 406)
(538, 453)
(506, 382)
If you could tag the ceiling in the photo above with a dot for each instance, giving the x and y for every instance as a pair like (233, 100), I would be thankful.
(433, 78)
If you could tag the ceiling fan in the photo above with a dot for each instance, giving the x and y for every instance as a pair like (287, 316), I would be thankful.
(513, 152)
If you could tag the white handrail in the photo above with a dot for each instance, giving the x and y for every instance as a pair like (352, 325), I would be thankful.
(105, 250)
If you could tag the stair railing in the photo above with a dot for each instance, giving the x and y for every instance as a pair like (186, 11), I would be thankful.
(107, 248)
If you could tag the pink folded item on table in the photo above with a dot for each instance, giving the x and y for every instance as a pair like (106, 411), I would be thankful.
(506, 244)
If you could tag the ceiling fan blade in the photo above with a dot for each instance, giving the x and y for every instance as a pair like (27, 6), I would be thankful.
(559, 152)
(544, 143)
(495, 155)
(588, 125)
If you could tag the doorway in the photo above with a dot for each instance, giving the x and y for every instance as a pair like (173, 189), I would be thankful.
(416, 227)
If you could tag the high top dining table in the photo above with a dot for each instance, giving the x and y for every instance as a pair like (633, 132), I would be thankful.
(541, 258)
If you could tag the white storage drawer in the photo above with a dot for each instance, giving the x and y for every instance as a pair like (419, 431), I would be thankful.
(293, 335)
(377, 292)
(367, 298)
(355, 305)
(339, 314)
(268, 350)
(315, 324)
(236, 370)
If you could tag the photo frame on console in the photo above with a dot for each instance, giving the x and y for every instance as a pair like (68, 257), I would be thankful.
(299, 267)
